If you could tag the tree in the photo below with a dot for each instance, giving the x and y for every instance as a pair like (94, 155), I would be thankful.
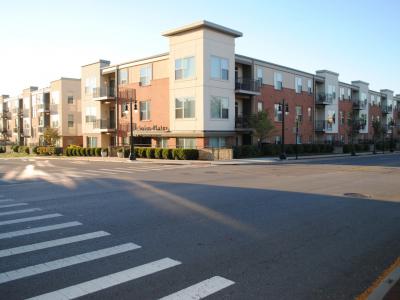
(377, 129)
(261, 125)
(51, 136)
(354, 127)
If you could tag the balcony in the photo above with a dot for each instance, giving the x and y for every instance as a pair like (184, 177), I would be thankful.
(103, 94)
(43, 107)
(359, 104)
(320, 125)
(324, 99)
(5, 115)
(6, 133)
(247, 86)
(54, 108)
(26, 132)
(26, 113)
(242, 122)
(102, 125)
(386, 109)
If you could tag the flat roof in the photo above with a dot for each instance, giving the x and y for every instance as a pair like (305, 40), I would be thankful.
(203, 24)
(359, 81)
(136, 60)
(327, 71)
(100, 61)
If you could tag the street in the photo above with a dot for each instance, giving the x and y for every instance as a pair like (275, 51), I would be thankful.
(315, 229)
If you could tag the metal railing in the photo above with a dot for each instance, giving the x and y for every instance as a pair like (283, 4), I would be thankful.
(103, 92)
(386, 109)
(247, 84)
(359, 104)
(320, 125)
(27, 132)
(26, 112)
(242, 121)
(43, 106)
(102, 124)
(323, 98)
(5, 115)
(54, 107)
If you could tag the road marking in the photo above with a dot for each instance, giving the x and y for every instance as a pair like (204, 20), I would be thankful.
(95, 172)
(12, 234)
(6, 200)
(201, 289)
(21, 211)
(52, 243)
(22, 220)
(12, 205)
(107, 281)
(65, 262)
(114, 170)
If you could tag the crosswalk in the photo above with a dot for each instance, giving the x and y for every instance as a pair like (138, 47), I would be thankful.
(198, 290)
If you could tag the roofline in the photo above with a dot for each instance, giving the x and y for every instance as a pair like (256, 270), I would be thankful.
(136, 60)
(387, 90)
(273, 64)
(65, 78)
(327, 71)
(360, 81)
(97, 62)
(203, 24)
(348, 84)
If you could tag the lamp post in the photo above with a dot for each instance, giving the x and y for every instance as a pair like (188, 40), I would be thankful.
(392, 124)
(297, 135)
(284, 110)
(132, 99)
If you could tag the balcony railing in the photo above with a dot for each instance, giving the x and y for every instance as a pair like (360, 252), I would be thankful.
(242, 121)
(102, 124)
(323, 125)
(54, 107)
(246, 84)
(27, 132)
(104, 93)
(43, 107)
(324, 99)
(5, 115)
(386, 109)
(359, 104)
(6, 132)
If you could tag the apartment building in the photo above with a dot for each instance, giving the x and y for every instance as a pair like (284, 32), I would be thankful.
(199, 94)
(58, 106)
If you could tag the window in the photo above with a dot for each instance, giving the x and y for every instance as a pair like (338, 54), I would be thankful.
(341, 93)
(277, 113)
(349, 94)
(219, 107)
(278, 83)
(260, 74)
(378, 100)
(184, 68)
(90, 84)
(70, 120)
(259, 106)
(144, 110)
(341, 118)
(298, 85)
(309, 114)
(219, 68)
(54, 121)
(186, 143)
(299, 113)
(70, 100)
(185, 108)
(349, 118)
(277, 139)
(91, 141)
(298, 138)
(55, 97)
(162, 142)
(216, 142)
(145, 75)
(41, 121)
(332, 92)
(372, 100)
(123, 76)
(309, 86)
(90, 115)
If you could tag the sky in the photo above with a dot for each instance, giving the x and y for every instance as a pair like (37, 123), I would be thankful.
(44, 40)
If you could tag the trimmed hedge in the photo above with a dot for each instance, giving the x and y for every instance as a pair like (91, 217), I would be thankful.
(357, 148)
(2, 149)
(23, 149)
(15, 148)
(275, 149)
(166, 153)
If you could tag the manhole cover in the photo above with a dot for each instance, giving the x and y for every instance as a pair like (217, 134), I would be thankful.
(356, 195)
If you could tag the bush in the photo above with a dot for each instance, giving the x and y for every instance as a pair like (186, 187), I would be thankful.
(82, 151)
(315, 148)
(127, 152)
(177, 153)
(157, 152)
(166, 153)
(150, 152)
(97, 151)
(190, 154)
(58, 151)
(307, 148)
(140, 152)
(15, 148)
(23, 149)
(2, 149)
(35, 150)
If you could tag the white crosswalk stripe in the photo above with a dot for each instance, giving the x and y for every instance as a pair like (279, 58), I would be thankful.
(12, 234)
(29, 219)
(52, 243)
(13, 205)
(65, 262)
(201, 289)
(107, 281)
(21, 211)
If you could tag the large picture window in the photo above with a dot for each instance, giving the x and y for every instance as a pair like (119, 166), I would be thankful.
(219, 107)
(219, 68)
(186, 143)
(184, 68)
(184, 108)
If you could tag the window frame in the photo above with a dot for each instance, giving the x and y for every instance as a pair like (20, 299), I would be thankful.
(145, 114)
(69, 121)
(221, 71)
(223, 113)
(184, 61)
(147, 71)
(298, 88)
(277, 86)
(181, 108)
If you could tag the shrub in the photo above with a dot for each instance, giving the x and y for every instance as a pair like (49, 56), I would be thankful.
(58, 151)
(127, 151)
(190, 154)
(150, 152)
(289, 149)
(97, 152)
(2, 149)
(166, 153)
(158, 152)
(82, 151)
(177, 153)
(307, 148)
(140, 152)
(315, 148)
(15, 148)
(35, 150)
(23, 149)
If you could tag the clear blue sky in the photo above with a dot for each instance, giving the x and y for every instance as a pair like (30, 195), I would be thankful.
(44, 40)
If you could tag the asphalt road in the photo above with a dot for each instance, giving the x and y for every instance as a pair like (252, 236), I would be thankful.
(231, 232)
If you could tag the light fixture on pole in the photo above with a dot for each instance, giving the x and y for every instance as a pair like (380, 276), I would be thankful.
(284, 108)
(131, 94)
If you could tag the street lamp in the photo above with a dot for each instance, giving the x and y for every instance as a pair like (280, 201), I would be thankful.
(132, 99)
(284, 108)
(392, 125)
(297, 135)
